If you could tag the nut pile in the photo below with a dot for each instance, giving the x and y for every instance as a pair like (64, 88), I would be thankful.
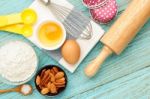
(50, 80)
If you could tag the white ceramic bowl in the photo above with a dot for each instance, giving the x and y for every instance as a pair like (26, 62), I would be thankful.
(58, 45)
(4, 80)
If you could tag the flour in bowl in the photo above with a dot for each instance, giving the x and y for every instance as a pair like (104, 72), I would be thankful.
(18, 61)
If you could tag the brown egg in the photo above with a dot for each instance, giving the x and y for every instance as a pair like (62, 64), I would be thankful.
(71, 51)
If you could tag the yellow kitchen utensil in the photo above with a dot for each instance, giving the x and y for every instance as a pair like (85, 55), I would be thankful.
(28, 16)
(25, 30)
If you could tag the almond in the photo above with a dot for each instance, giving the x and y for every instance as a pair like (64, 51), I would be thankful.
(53, 72)
(38, 80)
(60, 80)
(57, 84)
(45, 82)
(53, 88)
(42, 74)
(50, 80)
(49, 86)
(46, 75)
(60, 86)
(55, 69)
(41, 87)
(44, 91)
(59, 75)
(48, 71)
(52, 77)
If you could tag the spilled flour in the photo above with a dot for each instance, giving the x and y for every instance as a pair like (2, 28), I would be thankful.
(18, 61)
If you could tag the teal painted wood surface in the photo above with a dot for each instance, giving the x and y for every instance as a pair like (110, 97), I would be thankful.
(121, 77)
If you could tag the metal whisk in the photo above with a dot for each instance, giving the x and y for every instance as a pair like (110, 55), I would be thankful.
(76, 24)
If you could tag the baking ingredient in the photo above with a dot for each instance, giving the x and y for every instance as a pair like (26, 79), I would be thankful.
(55, 70)
(44, 91)
(71, 51)
(60, 80)
(52, 77)
(53, 88)
(18, 61)
(38, 80)
(74, 22)
(26, 89)
(59, 75)
(50, 34)
(51, 82)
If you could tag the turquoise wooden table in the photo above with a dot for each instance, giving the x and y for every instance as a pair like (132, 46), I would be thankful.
(121, 77)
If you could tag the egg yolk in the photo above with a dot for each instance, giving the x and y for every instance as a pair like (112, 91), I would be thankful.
(50, 33)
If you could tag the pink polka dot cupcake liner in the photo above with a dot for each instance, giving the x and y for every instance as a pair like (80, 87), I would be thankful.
(93, 4)
(105, 13)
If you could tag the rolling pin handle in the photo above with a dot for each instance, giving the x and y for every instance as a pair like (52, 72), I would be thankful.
(94, 66)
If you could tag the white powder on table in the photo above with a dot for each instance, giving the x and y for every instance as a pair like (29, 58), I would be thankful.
(18, 61)
(26, 89)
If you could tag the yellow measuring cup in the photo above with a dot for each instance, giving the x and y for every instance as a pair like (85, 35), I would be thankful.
(25, 30)
(28, 16)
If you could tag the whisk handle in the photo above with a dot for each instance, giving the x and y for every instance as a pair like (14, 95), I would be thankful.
(46, 2)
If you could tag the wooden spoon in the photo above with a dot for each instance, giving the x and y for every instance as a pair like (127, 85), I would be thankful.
(23, 89)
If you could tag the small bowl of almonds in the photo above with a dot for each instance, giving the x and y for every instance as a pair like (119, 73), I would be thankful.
(50, 80)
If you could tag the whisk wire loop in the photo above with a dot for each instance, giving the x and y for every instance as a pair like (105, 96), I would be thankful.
(75, 22)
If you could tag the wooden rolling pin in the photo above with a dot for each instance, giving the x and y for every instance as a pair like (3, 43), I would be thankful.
(121, 33)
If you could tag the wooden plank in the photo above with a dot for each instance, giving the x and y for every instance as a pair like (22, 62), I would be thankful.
(132, 86)
(135, 58)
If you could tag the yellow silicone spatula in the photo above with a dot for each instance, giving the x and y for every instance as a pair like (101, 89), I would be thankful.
(28, 16)
(25, 30)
